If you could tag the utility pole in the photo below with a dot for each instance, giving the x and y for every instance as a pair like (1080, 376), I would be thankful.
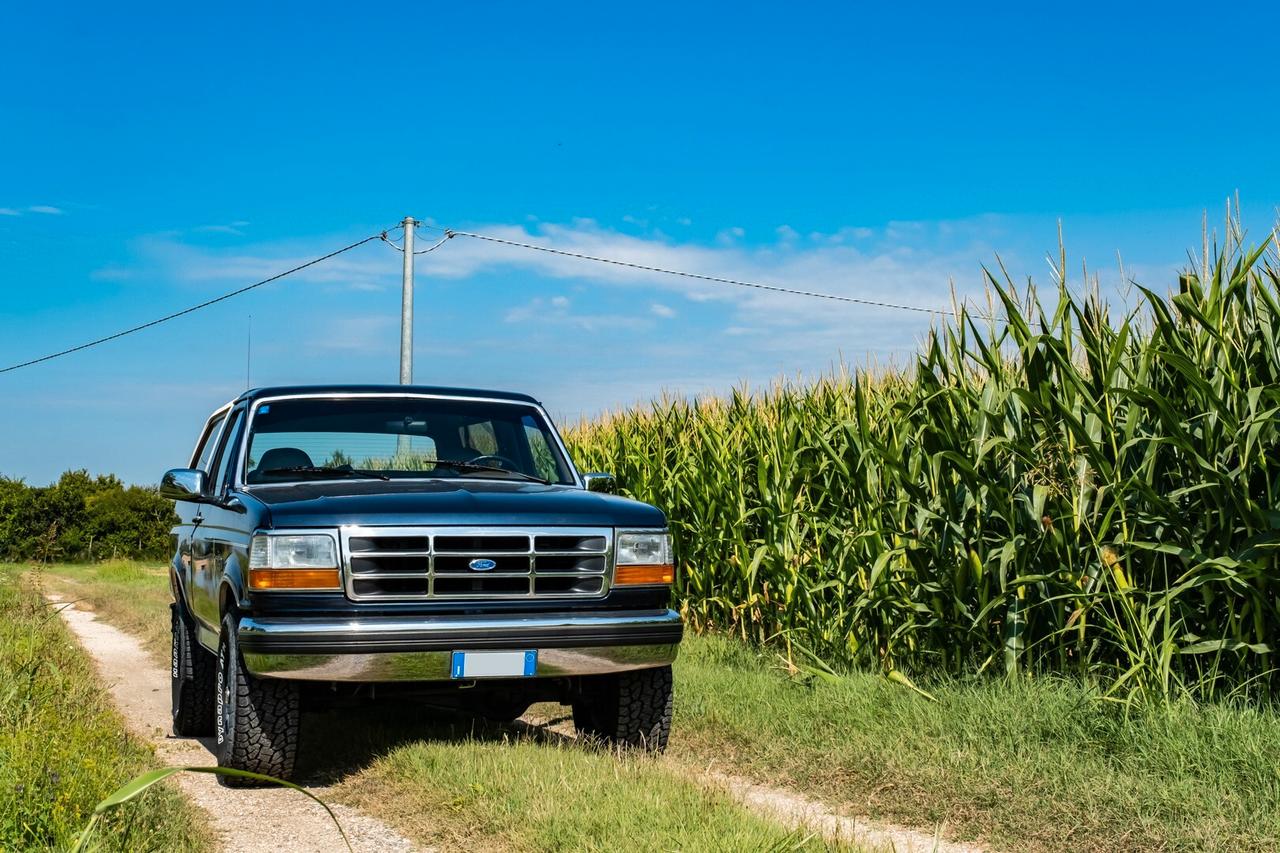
(406, 323)
(406, 306)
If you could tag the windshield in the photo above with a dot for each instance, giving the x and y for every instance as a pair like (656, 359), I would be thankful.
(401, 438)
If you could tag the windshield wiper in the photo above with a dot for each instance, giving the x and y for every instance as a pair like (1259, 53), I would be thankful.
(316, 470)
(472, 466)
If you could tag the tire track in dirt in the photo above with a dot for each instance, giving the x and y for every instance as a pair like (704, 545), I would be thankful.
(243, 820)
(788, 808)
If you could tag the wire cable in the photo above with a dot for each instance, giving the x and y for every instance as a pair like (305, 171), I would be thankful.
(193, 308)
(450, 232)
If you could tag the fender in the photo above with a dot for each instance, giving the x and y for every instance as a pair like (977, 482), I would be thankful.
(178, 589)
(231, 589)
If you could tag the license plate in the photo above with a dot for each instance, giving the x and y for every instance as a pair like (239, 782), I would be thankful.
(520, 664)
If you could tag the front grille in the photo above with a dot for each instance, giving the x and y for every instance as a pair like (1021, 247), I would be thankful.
(432, 563)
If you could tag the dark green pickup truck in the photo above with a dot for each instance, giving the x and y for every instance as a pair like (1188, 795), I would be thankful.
(431, 541)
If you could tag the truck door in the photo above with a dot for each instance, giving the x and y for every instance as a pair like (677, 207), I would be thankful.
(190, 514)
(219, 526)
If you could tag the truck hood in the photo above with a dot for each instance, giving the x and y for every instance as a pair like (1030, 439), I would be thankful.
(447, 502)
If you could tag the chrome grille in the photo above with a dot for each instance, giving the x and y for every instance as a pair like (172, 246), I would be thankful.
(432, 563)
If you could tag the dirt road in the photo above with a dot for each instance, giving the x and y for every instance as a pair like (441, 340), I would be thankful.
(244, 820)
(253, 820)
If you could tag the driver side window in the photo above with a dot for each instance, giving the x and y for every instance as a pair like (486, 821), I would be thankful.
(205, 457)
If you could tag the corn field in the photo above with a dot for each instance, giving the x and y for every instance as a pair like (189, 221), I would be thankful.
(1059, 490)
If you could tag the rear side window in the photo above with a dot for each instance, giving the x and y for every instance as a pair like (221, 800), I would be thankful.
(545, 460)
(207, 444)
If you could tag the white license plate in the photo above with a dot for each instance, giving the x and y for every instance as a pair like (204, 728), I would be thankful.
(495, 664)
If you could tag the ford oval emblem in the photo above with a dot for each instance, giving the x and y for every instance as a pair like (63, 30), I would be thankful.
(481, 564)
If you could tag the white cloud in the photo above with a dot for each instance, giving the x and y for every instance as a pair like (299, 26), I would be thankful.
(904, 263)
(729, 236)
(9, 211)
(45, 208)
(228, 228)
(202, 266)
(112, 272)
(911, 264)
(369, 333)
(540, 313)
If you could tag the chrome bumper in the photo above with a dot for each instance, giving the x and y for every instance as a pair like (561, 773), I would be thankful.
(421, 648)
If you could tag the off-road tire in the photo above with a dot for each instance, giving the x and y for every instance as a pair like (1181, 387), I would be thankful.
(627, 709)
(192, 676)
(257, 717)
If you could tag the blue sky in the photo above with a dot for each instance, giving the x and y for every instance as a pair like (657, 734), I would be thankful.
(152, 157)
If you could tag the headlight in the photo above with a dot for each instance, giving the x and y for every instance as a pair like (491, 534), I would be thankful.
(644, 557)
(294, 562)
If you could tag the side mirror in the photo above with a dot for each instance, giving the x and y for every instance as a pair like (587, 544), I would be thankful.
(597, 482)
(184, 484)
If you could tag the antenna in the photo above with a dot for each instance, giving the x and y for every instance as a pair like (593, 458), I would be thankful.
(248, 354)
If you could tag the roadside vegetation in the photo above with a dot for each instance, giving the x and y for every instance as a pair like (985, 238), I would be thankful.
(82, 518)
(1070, 488)
(1029, 763)
(1032, 764)
(62, 747)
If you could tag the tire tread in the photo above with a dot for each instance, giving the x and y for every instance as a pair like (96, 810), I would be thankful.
(265, 734)
(195, 670)
(628, 709)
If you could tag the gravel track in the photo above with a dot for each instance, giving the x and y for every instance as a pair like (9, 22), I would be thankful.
(243, 820)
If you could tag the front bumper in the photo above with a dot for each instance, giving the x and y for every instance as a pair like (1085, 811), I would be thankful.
(421, 648)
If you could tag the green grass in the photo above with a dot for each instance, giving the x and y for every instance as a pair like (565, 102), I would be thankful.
(132, 595)
(530, 795)
(1025, 764)
(62, 748)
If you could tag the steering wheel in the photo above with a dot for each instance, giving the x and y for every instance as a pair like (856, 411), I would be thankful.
(495, 461)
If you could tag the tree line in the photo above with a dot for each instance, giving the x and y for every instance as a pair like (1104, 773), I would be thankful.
(81, 517)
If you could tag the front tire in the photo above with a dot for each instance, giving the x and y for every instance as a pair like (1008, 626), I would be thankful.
(257, 717)
(193, 678)
(627, 709)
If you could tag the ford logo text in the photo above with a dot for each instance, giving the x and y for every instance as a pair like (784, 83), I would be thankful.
(481, 564)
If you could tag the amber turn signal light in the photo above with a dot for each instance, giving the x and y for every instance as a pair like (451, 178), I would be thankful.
(660, 573)
(294, 579)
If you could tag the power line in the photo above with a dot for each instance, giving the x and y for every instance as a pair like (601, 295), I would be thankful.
(450, 232)
(193, 308)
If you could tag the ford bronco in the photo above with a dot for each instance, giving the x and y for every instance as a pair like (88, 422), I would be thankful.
(431, 541)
